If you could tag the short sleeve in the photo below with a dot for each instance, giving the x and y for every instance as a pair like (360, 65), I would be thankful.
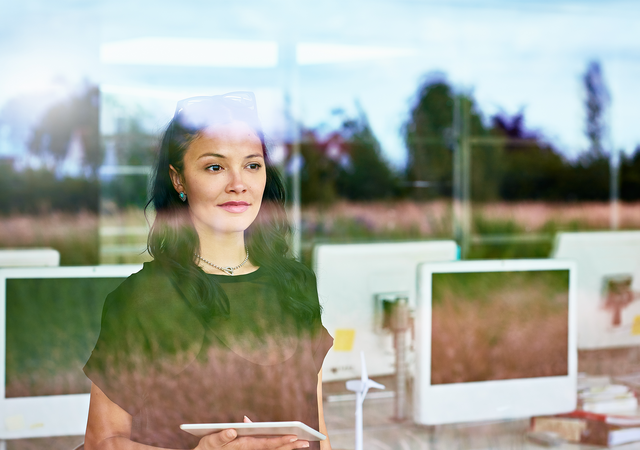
(323, 342)
(112, 365)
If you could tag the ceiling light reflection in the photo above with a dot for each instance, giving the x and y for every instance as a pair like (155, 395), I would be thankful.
(162, 51)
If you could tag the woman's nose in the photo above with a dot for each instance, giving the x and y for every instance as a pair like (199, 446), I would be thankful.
(236, 182)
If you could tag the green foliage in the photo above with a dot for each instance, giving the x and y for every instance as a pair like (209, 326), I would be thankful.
(430, 141)
(588, 178)
(39, 191)
(319, 173)
(630, 176)
(125, 190)
(508, 249)
(348, 164)
(533, 173)
(428, 136)
(367, 176)
(133, 146)
(511, 250)
(521, 167)
(477, 287)
(49, 341)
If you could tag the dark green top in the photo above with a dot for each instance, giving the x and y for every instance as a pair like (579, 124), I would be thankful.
(165, 364)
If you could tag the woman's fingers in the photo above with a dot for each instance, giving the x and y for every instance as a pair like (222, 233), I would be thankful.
(229, 440)
(217, 440)
(247, 420)
(275, 443)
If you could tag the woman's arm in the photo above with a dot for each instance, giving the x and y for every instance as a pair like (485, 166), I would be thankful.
(109, 428)
(108, 425)
(324, 445)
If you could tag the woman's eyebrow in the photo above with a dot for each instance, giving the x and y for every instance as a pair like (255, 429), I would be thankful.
(217, 155)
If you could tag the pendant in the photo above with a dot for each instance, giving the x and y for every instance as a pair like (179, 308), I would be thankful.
(228, 270)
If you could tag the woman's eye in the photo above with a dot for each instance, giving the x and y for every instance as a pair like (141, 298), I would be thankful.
(254, 166)
(215, 167)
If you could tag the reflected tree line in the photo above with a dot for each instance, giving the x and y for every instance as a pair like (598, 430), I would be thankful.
(509, 161)
(55, 182)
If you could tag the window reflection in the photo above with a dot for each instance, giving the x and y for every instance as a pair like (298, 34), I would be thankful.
(505, 128)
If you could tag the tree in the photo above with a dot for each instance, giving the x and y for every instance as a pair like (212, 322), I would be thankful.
(430, 158)
(76, 117)
(532, 169)
(429, 137)
(131, 145)
(630, 176)
(319, 172)
(347, 163)
(365, 174)
(596, 102)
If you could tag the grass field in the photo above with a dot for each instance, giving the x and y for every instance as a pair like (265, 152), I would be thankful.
(435, 220)
(120, 236)
(534, 224)
(75, 236)
(498, 325)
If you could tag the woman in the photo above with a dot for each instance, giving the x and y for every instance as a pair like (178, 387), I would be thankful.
(221, 326)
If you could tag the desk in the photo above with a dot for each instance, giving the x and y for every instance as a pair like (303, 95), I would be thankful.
(382, 433)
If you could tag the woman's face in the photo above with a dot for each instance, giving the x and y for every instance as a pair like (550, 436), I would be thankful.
(223, 177)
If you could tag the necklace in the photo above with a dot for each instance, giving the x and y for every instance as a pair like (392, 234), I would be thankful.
(228, 270)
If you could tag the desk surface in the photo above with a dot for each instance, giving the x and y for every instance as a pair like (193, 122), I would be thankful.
(382, 433)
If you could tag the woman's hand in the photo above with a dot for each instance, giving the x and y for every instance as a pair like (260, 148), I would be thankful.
(229, 440)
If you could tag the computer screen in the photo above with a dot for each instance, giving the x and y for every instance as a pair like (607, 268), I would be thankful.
(49, 324)
(495, 340)
(52, 326)
(499, 325)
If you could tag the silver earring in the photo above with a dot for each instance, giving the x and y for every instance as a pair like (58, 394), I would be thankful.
(183, 196)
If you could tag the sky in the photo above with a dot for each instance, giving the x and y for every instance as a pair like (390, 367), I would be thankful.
(511, 56)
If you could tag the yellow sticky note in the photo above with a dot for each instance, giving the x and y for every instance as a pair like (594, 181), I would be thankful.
(635, 329)
(14, 423)
(343, 339)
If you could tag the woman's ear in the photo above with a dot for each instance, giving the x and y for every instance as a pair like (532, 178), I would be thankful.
(176, 179)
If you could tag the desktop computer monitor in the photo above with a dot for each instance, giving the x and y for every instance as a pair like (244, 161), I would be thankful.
(49, 322)
(495, 340)
(29, 257)
(608, 286)
(356, 284)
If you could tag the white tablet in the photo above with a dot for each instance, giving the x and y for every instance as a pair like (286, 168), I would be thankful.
(257, 429)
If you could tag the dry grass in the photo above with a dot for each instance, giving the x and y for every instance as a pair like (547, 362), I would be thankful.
(434, 219)
(123, 236)
(75, 236)
(428, 219)
(533, 216)
(499, 334)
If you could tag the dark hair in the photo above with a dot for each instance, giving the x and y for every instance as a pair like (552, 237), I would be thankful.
(173, 240)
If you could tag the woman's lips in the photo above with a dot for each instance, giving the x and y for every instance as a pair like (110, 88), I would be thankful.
(235, 207)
